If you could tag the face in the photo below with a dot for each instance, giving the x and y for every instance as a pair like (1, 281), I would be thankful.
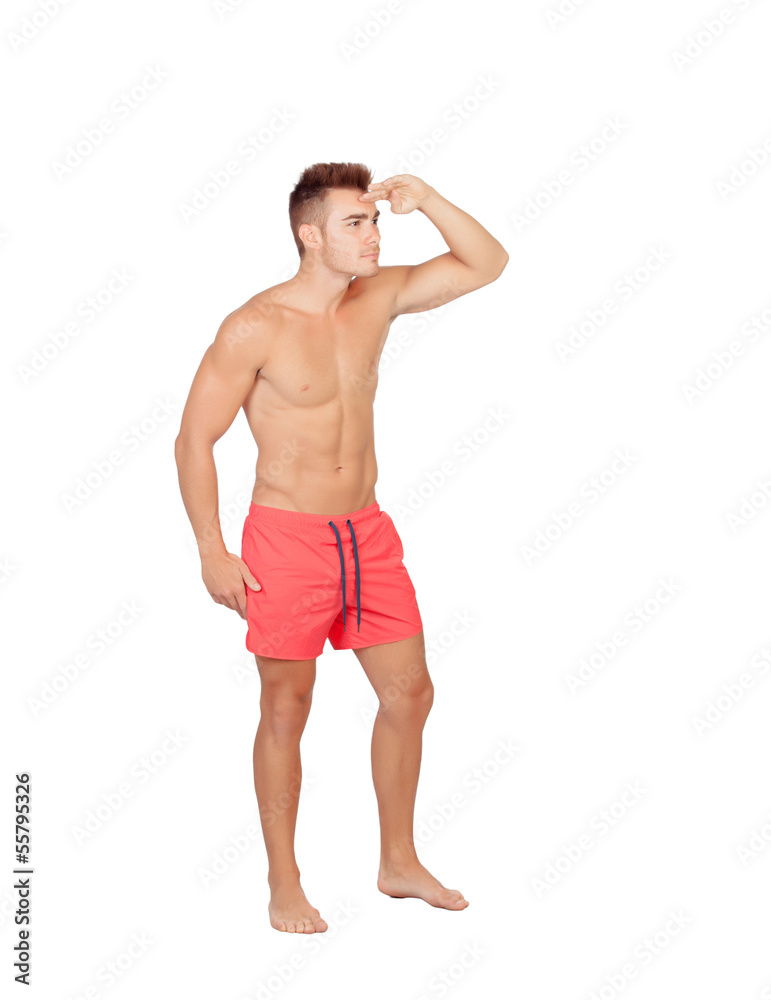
(350, 242)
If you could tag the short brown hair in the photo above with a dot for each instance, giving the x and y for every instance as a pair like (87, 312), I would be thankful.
(306, 202)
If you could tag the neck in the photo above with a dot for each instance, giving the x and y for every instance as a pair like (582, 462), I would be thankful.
(318, 289)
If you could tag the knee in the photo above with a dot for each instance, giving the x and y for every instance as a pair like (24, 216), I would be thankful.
(410, 704)
(285, 714)
(425, 696)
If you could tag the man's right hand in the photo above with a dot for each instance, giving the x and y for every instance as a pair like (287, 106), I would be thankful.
(224, 576)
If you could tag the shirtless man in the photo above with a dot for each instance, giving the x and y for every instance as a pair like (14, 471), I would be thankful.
(320, 560)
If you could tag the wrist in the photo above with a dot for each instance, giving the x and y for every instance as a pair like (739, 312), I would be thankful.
(210, 548)
(431, 196)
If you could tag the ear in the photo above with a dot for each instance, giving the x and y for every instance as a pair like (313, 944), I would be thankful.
(310, 234)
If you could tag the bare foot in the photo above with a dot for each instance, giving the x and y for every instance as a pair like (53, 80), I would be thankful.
(290, 911)
(413, 879)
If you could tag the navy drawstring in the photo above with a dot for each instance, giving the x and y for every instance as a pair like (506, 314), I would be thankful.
(342, 570)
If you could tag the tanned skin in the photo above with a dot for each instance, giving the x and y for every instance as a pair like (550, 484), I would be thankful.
(302, 358)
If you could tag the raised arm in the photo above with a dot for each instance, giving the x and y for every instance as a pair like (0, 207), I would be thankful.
(475, 257)
(222, 382)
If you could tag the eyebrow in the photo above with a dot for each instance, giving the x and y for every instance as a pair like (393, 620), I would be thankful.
(360, 215)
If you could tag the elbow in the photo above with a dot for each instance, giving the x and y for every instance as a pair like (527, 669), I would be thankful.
(496, 267)
(180, 447)
(495, 270)
(186, 445)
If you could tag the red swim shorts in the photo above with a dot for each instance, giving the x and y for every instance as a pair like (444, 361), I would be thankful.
(338, 577)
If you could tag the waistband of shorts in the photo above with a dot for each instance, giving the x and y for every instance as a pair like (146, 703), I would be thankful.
(299, 519)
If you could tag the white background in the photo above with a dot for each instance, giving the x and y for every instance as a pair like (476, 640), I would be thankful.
(522, 625)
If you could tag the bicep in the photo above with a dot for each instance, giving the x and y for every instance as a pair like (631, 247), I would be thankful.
(432, 284)
(224, 377)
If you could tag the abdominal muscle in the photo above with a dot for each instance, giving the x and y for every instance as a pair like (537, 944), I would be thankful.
(319, 459)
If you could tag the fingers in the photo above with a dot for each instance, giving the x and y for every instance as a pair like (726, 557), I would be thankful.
(382, 189)
(249, 578)
(236, 599)
(227, 586)
(393, 181)
(235, 602)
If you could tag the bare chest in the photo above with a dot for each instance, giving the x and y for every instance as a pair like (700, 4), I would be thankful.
(311, 366)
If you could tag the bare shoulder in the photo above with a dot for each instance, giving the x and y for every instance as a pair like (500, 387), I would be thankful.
(246, 333)
(260, 314)
(267, 306)
(262, 311)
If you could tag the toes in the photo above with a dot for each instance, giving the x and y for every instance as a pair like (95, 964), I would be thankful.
(455, 899)
(305, 925)
(316, 921)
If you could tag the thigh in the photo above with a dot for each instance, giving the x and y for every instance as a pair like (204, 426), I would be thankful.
(395, 668)
(286, 678)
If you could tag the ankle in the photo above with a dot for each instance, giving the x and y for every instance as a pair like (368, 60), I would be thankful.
(284, 877)
(395, 857)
